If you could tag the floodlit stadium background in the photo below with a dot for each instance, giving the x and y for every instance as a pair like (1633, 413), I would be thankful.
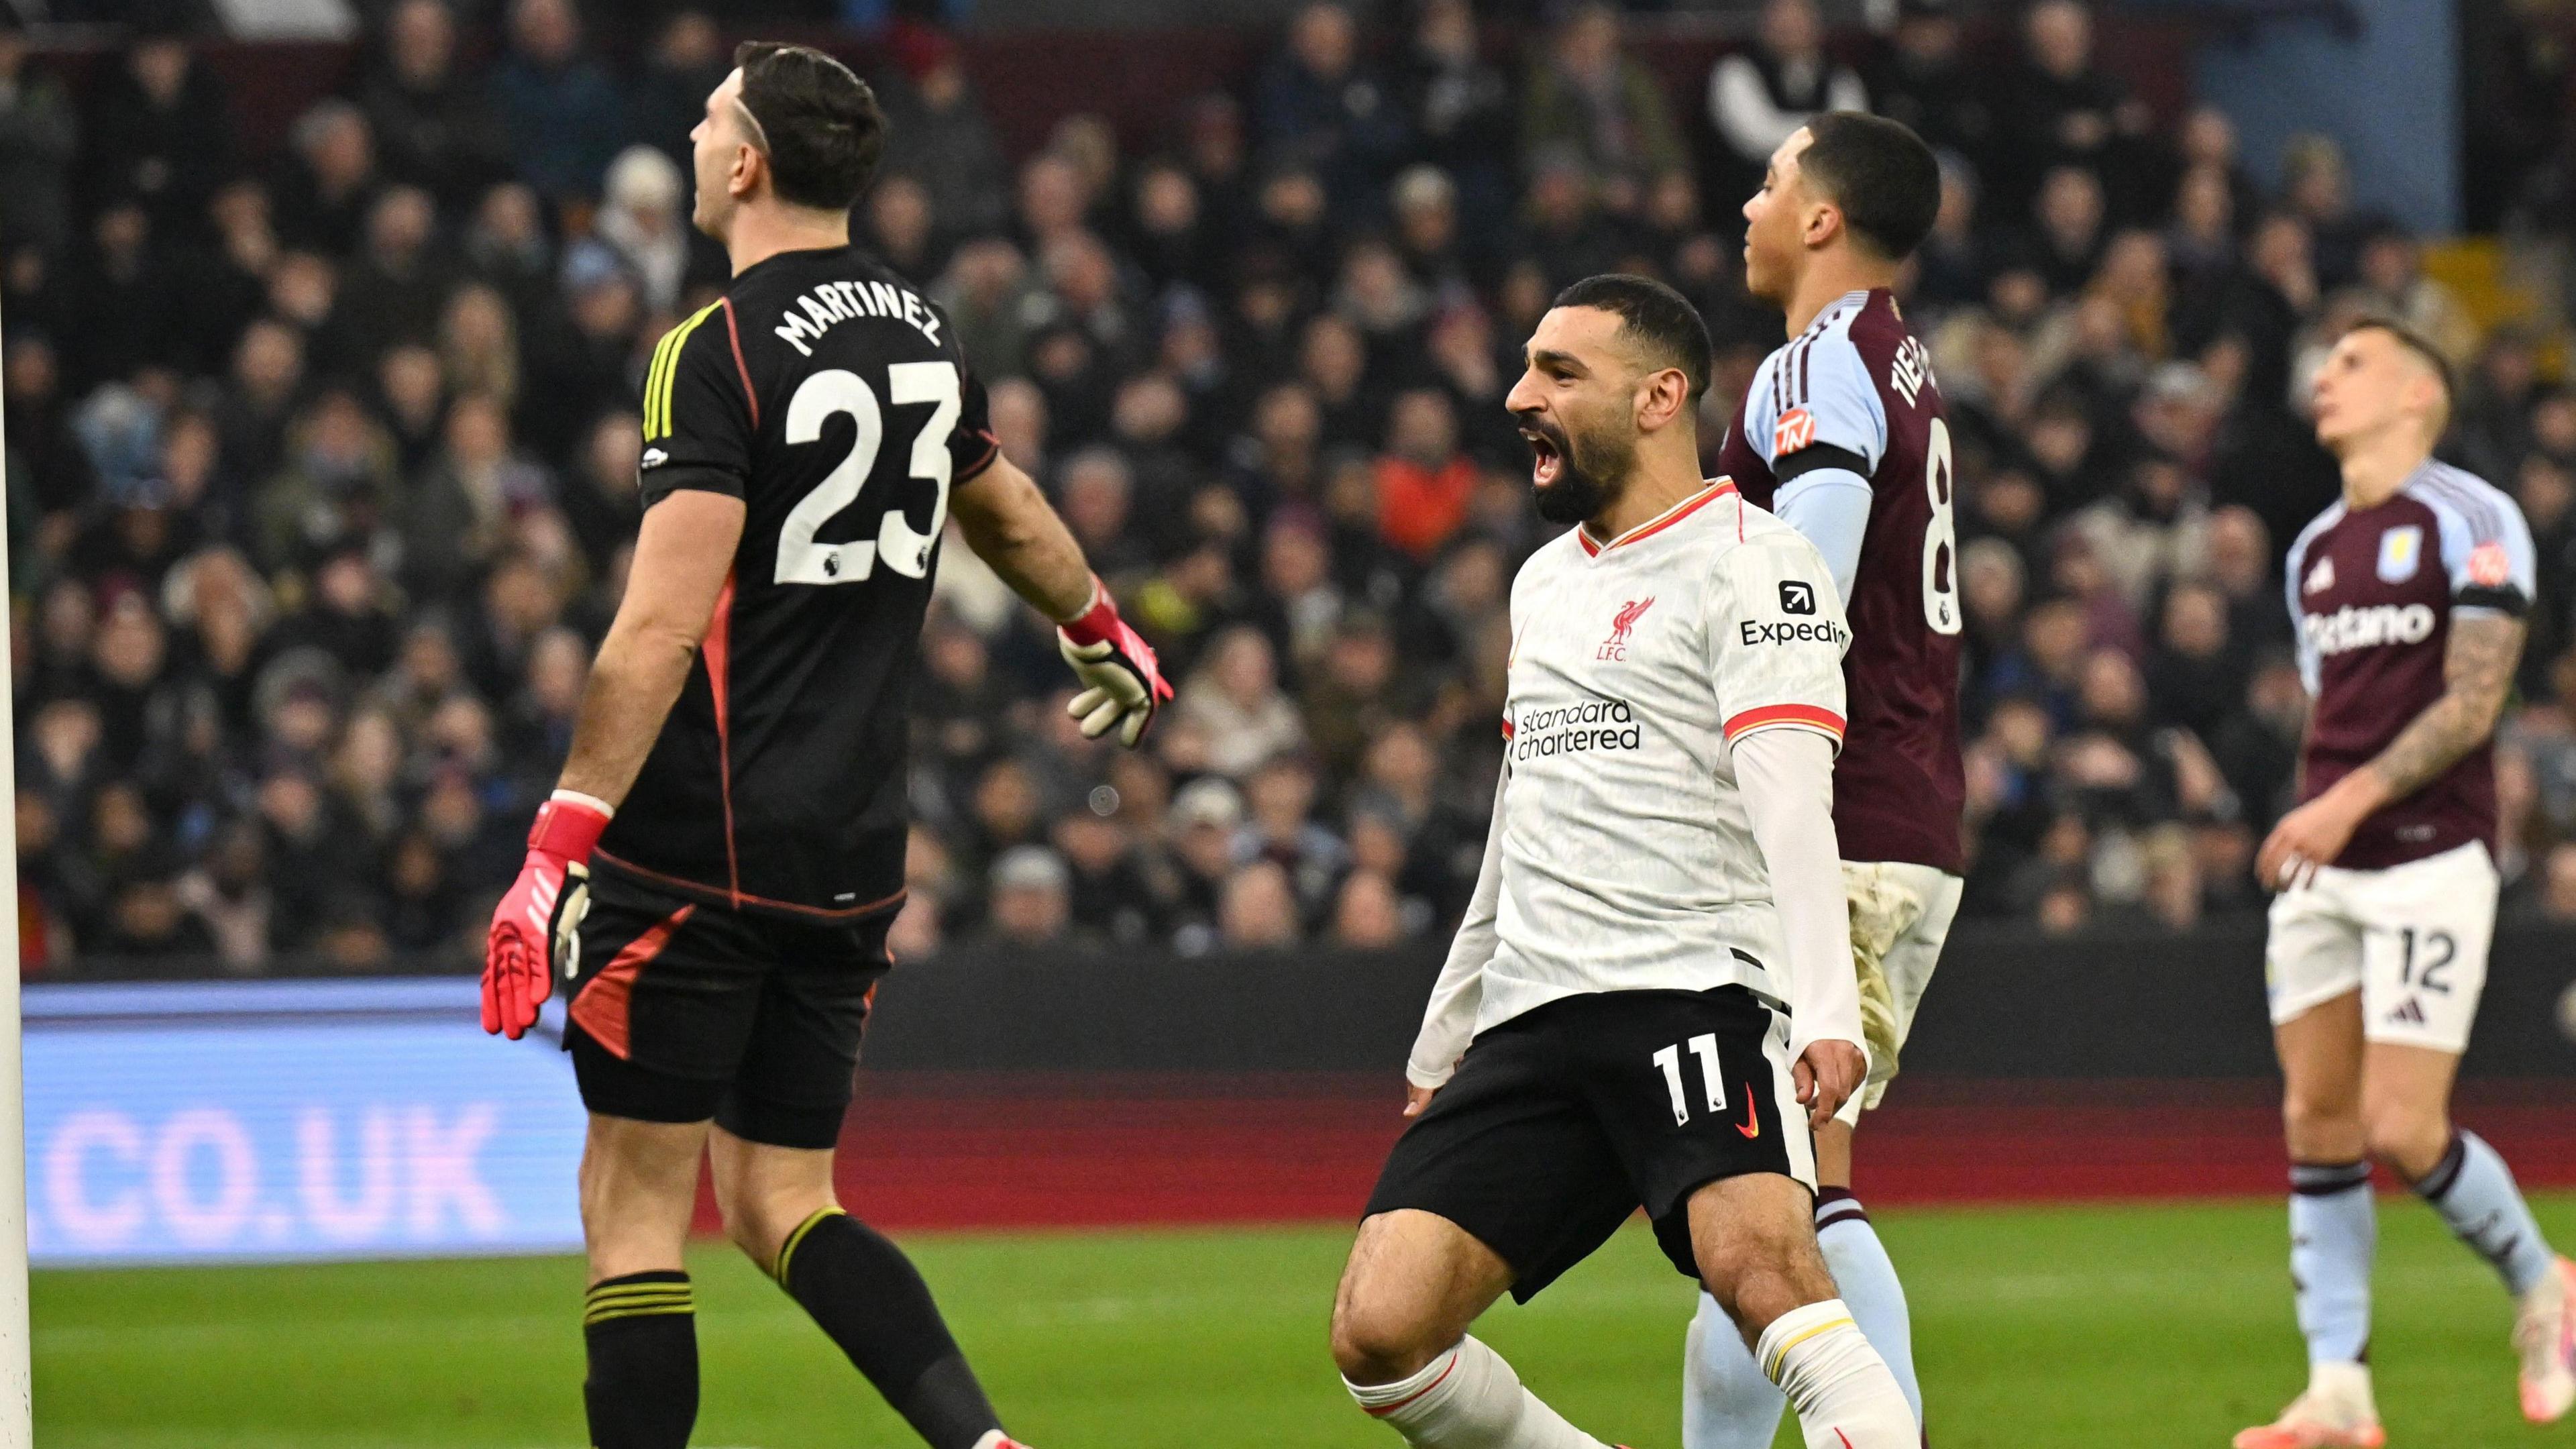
(323, 324)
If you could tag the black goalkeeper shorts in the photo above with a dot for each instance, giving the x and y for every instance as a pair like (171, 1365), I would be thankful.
(682, 1011)
(1561, 1122)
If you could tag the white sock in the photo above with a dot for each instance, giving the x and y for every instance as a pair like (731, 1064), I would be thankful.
(1468, 1398)
(1845, 1397)
(2340, 1393)
(1869, 1284)
(1726, 1402)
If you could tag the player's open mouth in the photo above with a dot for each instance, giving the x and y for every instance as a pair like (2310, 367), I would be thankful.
(1546, 458)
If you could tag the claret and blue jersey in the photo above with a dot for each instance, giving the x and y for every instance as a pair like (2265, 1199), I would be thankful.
(1854, 395)
(2373, 593)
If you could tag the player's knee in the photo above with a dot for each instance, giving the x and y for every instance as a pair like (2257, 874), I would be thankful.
(1762, 1285)
(1372, 1345)
(2321, 1128)
(2409, 1140)
(758, 1223)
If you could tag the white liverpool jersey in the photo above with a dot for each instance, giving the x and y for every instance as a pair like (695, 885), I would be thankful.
(1628, 861)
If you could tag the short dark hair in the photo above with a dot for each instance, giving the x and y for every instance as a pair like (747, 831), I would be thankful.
(2413, 341)
(819, 123)
(1656, 315)
(1880, 173)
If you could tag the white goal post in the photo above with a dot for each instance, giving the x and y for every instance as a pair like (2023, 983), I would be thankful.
(17, 1426)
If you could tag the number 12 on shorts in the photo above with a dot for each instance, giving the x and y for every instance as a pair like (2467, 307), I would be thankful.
(1712, 1077)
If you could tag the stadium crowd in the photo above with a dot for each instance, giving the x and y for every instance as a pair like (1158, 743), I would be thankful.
(321, 463)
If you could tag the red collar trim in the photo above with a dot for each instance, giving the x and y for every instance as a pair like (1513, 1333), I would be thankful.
(1653, 526)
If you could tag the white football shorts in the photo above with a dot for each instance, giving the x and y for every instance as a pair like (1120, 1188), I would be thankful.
(1900, 914)
(2412, 939)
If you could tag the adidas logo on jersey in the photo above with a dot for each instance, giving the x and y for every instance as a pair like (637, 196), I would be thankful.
(2320, 578)
(2410, 1012)
(2367, 628)
(653, 458)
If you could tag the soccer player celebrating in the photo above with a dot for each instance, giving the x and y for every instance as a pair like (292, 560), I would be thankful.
(712, 881)
(1651, 999)
(2409, 596)
(1842, 434)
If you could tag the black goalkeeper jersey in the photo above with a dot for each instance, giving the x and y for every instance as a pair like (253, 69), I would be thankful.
(832, 398)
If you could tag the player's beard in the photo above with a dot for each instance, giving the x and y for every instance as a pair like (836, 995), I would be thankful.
(1591, 469)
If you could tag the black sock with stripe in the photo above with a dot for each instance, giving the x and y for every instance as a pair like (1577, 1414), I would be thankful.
(867, 1295)
(642, 1334)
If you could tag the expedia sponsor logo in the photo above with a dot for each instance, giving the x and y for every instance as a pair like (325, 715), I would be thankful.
(1573, 729)
(1756, 632)
(2368, 628)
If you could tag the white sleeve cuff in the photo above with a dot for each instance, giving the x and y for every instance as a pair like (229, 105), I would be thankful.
(1786, 778)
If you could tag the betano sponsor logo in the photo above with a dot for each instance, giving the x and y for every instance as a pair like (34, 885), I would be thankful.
(1593, 725)
(2368, 628)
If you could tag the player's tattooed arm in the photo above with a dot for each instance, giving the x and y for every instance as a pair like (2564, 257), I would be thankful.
(1009, 524)
(2477, 669)
(2477, 672)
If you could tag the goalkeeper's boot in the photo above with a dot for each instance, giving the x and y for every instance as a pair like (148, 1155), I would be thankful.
(2544, 1333)
(2335, 1413)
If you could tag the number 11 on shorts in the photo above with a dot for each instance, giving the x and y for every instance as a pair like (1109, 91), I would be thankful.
(1669, 1062)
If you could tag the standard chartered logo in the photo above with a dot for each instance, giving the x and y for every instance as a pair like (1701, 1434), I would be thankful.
(2367, 628)
(1594, 724)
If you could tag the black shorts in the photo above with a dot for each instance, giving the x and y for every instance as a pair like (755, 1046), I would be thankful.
(683, 1011)
(1561, 1122)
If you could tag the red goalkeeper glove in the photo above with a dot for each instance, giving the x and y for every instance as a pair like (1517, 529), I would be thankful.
(1123, 683)
(536, 922)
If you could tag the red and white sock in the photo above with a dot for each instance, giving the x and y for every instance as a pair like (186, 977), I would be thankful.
(1468, 1398)
(1841, 1388)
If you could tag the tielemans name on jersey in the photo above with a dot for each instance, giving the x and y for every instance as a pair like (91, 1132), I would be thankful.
(810, 315)
(2367, 627)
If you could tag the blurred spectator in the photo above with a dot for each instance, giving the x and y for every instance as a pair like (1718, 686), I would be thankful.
(1316, 105)
(644, 216)
(1259, 909)
(1923, 80)
(1759, 98)
(1368, 915)
(131, 289)
(159, 130)
(399, 284)
(1588, 102)
(937, 134)
(431, 118)
(2316, 183)
(665, 102)
(1031, 906)
(1234, 698)
(39, 137)
(2059, 108)
(560, 106)
(1423, 481)
(322, 198)
(1460, 109)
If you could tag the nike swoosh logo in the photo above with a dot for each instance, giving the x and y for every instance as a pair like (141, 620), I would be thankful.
(1751, 1126)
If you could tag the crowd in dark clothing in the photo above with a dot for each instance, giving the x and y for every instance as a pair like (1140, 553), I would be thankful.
(321, 462)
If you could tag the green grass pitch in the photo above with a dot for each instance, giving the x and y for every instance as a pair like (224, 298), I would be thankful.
(2102, 1327)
